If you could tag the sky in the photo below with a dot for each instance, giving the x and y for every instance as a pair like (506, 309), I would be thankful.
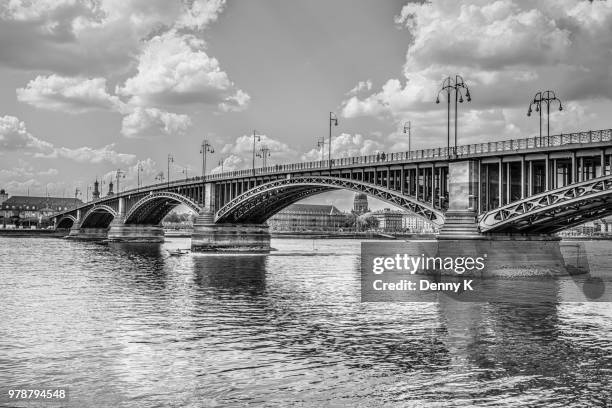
(89, 87)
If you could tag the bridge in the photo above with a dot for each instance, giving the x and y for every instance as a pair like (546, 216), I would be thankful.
(527, 187)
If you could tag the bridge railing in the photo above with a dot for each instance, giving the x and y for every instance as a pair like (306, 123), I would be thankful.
(594, 136)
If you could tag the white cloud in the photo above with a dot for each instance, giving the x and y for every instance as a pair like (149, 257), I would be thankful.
(174, 69)
(151, 121)
(80, 37)
(89, 155)
(14, 136)
(346, 145)
(231, 163)
(66, 94)
(361, 87)
(506, 50)
(111, 39)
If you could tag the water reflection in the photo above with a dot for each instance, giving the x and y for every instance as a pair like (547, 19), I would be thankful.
(234, 273)
(129, 325)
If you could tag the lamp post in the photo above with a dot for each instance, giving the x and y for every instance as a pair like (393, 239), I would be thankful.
(206, 148)
(160, 177)
(221, 162)
(333, 119)
(170, 160)
(256, 138)
(184, 171)
(139, 170)
(407, 130)
(457, 86)
(544, 97)
(264, 153)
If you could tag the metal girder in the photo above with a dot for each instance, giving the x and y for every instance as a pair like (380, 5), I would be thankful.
(277, 194)
(155, 206)
(554, 210)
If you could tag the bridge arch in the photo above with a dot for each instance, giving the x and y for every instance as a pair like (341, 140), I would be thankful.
(99, 216)
(152, 208)
(66, 221)
(261, 202)
(553, 211)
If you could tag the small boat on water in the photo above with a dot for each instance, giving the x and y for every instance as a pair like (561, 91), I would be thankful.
(178, 252)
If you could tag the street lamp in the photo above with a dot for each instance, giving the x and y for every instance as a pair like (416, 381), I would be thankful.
(206, 148)
(407, 130)
(449, 86)
(333, 119)
(170, 160)
(256, 138)
(264, 153)
(139, 170)
(184, 171)
(221, 162)
(160, 177)
(546, 97)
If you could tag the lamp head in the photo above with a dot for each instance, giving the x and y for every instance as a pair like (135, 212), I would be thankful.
(560, 106)
(461, 99)
(467, 94)
(537, 108)
(437, 99)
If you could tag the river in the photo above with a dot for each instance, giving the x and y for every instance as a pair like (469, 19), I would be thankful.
(131, 326)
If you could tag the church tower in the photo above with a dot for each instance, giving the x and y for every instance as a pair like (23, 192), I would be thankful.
(96, 190)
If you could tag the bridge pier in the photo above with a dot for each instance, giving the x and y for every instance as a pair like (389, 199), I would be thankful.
(144, 233)
(87, 234)
(508, 255)
(210, 237)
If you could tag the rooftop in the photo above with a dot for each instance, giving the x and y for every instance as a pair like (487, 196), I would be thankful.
(39, 203)
(312, 209)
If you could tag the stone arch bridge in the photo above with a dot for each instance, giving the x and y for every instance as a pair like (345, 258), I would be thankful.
(523, 187)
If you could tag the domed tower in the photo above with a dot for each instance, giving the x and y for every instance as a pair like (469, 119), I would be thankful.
(360, 204)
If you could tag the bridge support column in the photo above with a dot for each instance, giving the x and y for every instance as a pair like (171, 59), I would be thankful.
(87, 234)
(460, 220)
(138, 233)
(209, 237)
(506, 254)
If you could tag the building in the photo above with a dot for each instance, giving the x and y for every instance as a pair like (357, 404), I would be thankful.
(360, 204)
(310, 217)
(27, 210)
(389, 220)
(412, 223)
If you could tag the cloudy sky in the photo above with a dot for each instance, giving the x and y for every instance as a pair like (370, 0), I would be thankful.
(92, 86)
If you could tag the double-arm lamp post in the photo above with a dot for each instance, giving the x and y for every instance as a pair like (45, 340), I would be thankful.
(333, 120)
(264, 153)
(547, 98)
(256, 138)
(206, 148)
(458, 86)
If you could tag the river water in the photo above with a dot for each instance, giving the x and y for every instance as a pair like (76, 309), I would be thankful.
(131, 326)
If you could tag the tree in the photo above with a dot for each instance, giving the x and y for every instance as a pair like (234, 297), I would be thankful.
(366, 222)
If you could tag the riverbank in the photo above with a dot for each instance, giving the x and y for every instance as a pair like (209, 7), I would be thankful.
(321, 235)
(21, 233)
